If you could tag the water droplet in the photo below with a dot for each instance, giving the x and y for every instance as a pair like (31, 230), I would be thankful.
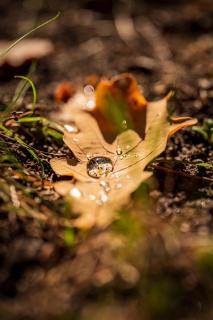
(104, 197)
(75, 192)
(115, 175)
(103, 183)
(121, 157)
(118, 151)
(75, 139)
(119, 185)
(71, 128)
(89, 156)
(127, 147)
(124, 124)
(99, 167)
(90, 104)
(89, 90)
(105, 186)
(92, 197)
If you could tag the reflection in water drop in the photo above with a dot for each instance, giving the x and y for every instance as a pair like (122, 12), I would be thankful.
(99, 166)
(75, 192)
(71, 128)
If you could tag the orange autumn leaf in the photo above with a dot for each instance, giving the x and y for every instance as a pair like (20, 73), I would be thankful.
(119, 104)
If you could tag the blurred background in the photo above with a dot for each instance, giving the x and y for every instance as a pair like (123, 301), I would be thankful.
(163, 42)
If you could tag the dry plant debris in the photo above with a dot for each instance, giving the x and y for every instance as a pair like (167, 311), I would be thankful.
(25, 51)
(104, 174)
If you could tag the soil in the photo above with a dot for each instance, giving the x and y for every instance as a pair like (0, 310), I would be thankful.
(165, 271)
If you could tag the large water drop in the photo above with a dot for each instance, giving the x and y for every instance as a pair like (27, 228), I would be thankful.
(99, 167)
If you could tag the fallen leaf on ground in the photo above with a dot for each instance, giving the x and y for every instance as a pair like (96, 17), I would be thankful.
(25, 51)
(106, 174)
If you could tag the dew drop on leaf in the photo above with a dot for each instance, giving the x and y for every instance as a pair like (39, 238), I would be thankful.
(119, 185)
(75, 192)
(105, 186)
(71, 128)
(89, 90)
(92, 197)
(104, 197)
(119, 151)
(90, 104)
(99, 167)
(124, 124)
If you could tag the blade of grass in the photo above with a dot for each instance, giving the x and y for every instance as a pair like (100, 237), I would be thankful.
(10, 134)
(20, 90)
(44, 121)
(4, 52)
(33, 90)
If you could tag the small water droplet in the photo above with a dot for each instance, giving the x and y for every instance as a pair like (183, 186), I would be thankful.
(99, 167)
(103, 183)
(75, 139)
(90, 104)
(92, 197)
(105, 186)
(115, 175)
(75, 192)
(104, 197)
(89, 90)
(119, 185)
(124, 124)
(89, 156)
(71, 128)
(118, 151)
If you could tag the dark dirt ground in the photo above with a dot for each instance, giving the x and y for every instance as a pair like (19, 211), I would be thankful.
(156, 261)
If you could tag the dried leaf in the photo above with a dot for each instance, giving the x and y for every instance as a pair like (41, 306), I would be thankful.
(106, 174)
(25, 51)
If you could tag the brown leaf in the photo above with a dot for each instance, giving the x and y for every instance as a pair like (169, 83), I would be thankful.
(25, 51)
(106, 174)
